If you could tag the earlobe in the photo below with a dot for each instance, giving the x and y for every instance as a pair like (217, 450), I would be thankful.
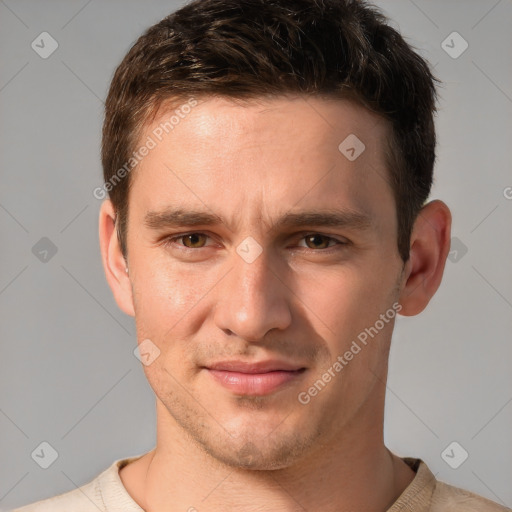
(430, 245)
(114, 264)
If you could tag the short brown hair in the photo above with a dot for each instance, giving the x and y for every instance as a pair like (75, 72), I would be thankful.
(252, 48)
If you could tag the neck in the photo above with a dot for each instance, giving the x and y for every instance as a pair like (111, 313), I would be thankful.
(353, 471)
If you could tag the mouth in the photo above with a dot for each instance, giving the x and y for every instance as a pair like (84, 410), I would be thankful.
(256, 379)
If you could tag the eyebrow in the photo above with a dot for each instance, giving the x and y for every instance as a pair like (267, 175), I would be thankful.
(176, 217)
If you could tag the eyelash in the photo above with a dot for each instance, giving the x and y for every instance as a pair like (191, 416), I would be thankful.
(169, 241)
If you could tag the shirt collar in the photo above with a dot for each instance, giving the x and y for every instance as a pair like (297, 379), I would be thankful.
(416, 497)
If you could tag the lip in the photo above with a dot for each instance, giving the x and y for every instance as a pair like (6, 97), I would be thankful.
(256, 379)
(270, 365)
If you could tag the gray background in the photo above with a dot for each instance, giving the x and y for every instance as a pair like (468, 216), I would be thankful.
(68, 375)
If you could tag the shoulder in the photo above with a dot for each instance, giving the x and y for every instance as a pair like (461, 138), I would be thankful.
(84, 499)
(104, 493)
(428, 494)
(448, 498)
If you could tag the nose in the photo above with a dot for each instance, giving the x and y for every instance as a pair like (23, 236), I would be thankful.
(253, 299)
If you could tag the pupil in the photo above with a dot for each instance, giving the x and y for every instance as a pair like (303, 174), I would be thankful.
(315, 239)
(194, 239)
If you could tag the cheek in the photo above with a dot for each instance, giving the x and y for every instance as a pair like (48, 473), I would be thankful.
(341, 297)
(342, 305)
(164, 291)
(172, 303)
(167, 308)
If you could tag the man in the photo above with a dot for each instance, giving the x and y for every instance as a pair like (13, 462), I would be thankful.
(268, 166)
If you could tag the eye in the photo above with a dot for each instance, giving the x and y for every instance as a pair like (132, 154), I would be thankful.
(319, 241)
(196, 240)
(189, 240)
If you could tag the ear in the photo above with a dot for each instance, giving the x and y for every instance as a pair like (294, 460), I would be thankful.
(114, 263)
(430, 245)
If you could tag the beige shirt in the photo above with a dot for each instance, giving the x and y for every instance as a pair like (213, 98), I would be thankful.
(424, 494)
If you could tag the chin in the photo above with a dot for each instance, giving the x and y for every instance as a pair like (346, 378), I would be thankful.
(263, 454)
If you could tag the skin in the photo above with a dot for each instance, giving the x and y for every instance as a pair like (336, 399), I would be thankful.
(301, 300)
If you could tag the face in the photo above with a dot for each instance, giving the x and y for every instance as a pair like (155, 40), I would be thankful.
(252, 238)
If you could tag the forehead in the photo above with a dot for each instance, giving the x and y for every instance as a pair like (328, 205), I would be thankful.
(319, 121)
(265, 155)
